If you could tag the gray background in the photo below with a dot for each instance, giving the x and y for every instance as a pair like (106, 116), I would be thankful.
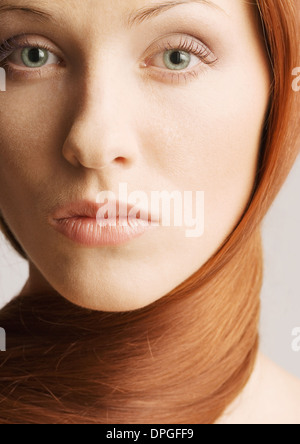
(281, 289)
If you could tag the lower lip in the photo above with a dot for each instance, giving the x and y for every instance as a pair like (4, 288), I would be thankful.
(88, 232)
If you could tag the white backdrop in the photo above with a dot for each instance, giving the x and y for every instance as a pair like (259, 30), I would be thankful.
(281, 290)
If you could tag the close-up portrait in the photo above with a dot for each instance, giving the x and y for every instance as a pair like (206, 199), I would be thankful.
(144, 149)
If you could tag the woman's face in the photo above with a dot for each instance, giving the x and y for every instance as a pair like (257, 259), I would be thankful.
(108, 103)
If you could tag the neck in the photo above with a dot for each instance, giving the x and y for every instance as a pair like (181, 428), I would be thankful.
(183, 359)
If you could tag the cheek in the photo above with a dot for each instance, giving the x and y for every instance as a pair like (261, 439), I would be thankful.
(211, 138)
(211, 134)
(28, 143)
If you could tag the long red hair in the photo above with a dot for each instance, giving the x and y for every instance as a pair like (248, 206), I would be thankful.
(186, 357)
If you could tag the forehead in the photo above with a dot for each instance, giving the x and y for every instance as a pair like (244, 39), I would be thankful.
(131, 12)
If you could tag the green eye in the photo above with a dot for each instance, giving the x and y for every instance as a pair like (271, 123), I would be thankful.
(34, 57)
(175, 59)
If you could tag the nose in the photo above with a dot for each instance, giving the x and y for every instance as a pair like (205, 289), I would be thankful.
(103, 132)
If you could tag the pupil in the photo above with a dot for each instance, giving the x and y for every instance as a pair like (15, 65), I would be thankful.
(34, 55)
(176, 57)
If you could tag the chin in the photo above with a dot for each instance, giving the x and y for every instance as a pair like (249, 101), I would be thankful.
(106, 302)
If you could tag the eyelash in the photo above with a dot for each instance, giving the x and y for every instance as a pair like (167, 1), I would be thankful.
(189, 46)
(186, 45)
(11, 45)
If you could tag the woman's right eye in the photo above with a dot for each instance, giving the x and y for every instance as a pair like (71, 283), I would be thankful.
(23, 57)
(32, 57)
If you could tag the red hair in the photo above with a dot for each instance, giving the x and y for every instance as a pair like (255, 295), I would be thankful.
(186, 357)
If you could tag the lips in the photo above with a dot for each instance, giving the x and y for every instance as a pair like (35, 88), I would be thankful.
(92, 210)
(85, 223)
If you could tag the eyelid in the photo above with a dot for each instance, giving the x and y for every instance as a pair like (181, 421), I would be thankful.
(187, 43)
(170, 39)
(24, 41)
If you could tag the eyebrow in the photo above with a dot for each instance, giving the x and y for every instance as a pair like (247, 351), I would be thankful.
(132, 19)
(146, 13)
(42, 15)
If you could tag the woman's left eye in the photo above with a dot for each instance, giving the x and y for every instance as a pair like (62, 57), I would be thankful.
(32, 57)
(176, 59)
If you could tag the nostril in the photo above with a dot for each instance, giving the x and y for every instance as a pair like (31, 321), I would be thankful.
(120, 160)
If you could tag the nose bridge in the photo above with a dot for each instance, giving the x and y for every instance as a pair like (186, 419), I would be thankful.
(106, 94)
(102, 127)
(106, 84)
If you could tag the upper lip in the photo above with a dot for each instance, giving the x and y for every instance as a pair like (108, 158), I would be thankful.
(85, 208)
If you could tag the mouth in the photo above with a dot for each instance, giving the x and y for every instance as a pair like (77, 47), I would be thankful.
(92, 225)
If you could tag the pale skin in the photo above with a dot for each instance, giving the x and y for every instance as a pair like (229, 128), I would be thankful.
(81, 124)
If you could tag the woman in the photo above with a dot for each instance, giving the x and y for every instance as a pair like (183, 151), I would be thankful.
(136, 325)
